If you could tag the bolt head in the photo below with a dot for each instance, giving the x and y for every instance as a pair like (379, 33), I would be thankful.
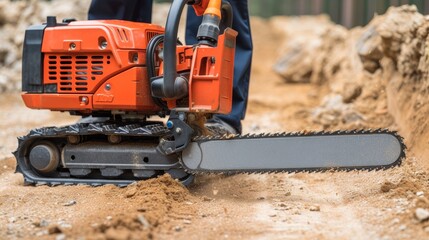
(114, 138)
(191, 117)
(182, 116)
(103, 45)
(108, 86)
(85, 100)
(135, 58)
(72, 46)
(73, 139)
(170, 124)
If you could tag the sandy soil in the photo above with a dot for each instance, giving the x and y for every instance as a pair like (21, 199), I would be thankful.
(331, 205)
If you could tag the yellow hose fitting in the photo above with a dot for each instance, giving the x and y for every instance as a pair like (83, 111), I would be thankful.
(214, 8)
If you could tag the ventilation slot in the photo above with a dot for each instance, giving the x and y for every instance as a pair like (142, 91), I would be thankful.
(150, 35)
(75, 73)
(122, 34)
(97, 65)
(72, 73)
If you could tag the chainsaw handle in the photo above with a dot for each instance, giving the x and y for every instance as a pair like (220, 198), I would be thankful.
(173, 86)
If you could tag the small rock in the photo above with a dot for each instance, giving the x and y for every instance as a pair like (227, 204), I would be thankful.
(402, 227)
(260, 198)
(351, 92)
(282, 205)
(421, 214)
(41, 233)
(204, 215)
(60, 237)
(64, 225)
(142, 209)
(143, 221)
(12, 220)
(177, 228)
(109, 218)
(215, 192)
(315, 208)
(54, 229)
(207, 199)
(10, 229)
(70, 203)
(426, 229)
(187, 221)
(387, 186)
(131, 191)
(272, 215)
(189, 203)
(287, 194)
(419, 194)
(297, 212)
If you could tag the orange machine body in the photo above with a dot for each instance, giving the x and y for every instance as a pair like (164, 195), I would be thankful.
(94, 66)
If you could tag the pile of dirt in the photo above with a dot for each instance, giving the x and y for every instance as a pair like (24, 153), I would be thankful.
(411, 191)
(329, 55)
(377, 74)
(147, 207)
(309, 54)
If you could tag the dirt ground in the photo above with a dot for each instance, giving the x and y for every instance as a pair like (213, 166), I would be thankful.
(388, 204)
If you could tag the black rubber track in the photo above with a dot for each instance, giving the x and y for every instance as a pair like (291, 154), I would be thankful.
(59, 134)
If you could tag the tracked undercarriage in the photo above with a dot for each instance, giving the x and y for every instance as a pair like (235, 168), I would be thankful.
(96, 153)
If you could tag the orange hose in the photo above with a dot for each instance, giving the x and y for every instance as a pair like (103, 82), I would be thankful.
(214, 7)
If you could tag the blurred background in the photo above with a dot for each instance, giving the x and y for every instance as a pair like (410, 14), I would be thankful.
(349, 13)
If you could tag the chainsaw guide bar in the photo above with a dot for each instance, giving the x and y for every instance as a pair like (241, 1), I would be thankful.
(295, 152)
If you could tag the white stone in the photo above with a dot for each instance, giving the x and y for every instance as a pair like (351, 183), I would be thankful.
(422, 214)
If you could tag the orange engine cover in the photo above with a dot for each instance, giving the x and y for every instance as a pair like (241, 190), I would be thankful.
(90, 66)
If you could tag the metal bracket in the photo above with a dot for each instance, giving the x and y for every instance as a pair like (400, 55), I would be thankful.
(179, 130)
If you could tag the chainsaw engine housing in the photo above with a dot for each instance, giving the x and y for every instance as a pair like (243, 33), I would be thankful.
(99, 67)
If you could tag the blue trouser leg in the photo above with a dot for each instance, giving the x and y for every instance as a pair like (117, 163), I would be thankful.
(243, 58)
(131, 10)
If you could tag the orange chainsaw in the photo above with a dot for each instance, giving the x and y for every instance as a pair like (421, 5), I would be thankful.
(118, 74)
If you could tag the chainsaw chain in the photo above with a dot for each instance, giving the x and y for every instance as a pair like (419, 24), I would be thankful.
(159, 130)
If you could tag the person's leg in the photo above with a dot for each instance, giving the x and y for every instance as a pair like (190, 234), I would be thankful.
(131, 10)
(243, 58)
